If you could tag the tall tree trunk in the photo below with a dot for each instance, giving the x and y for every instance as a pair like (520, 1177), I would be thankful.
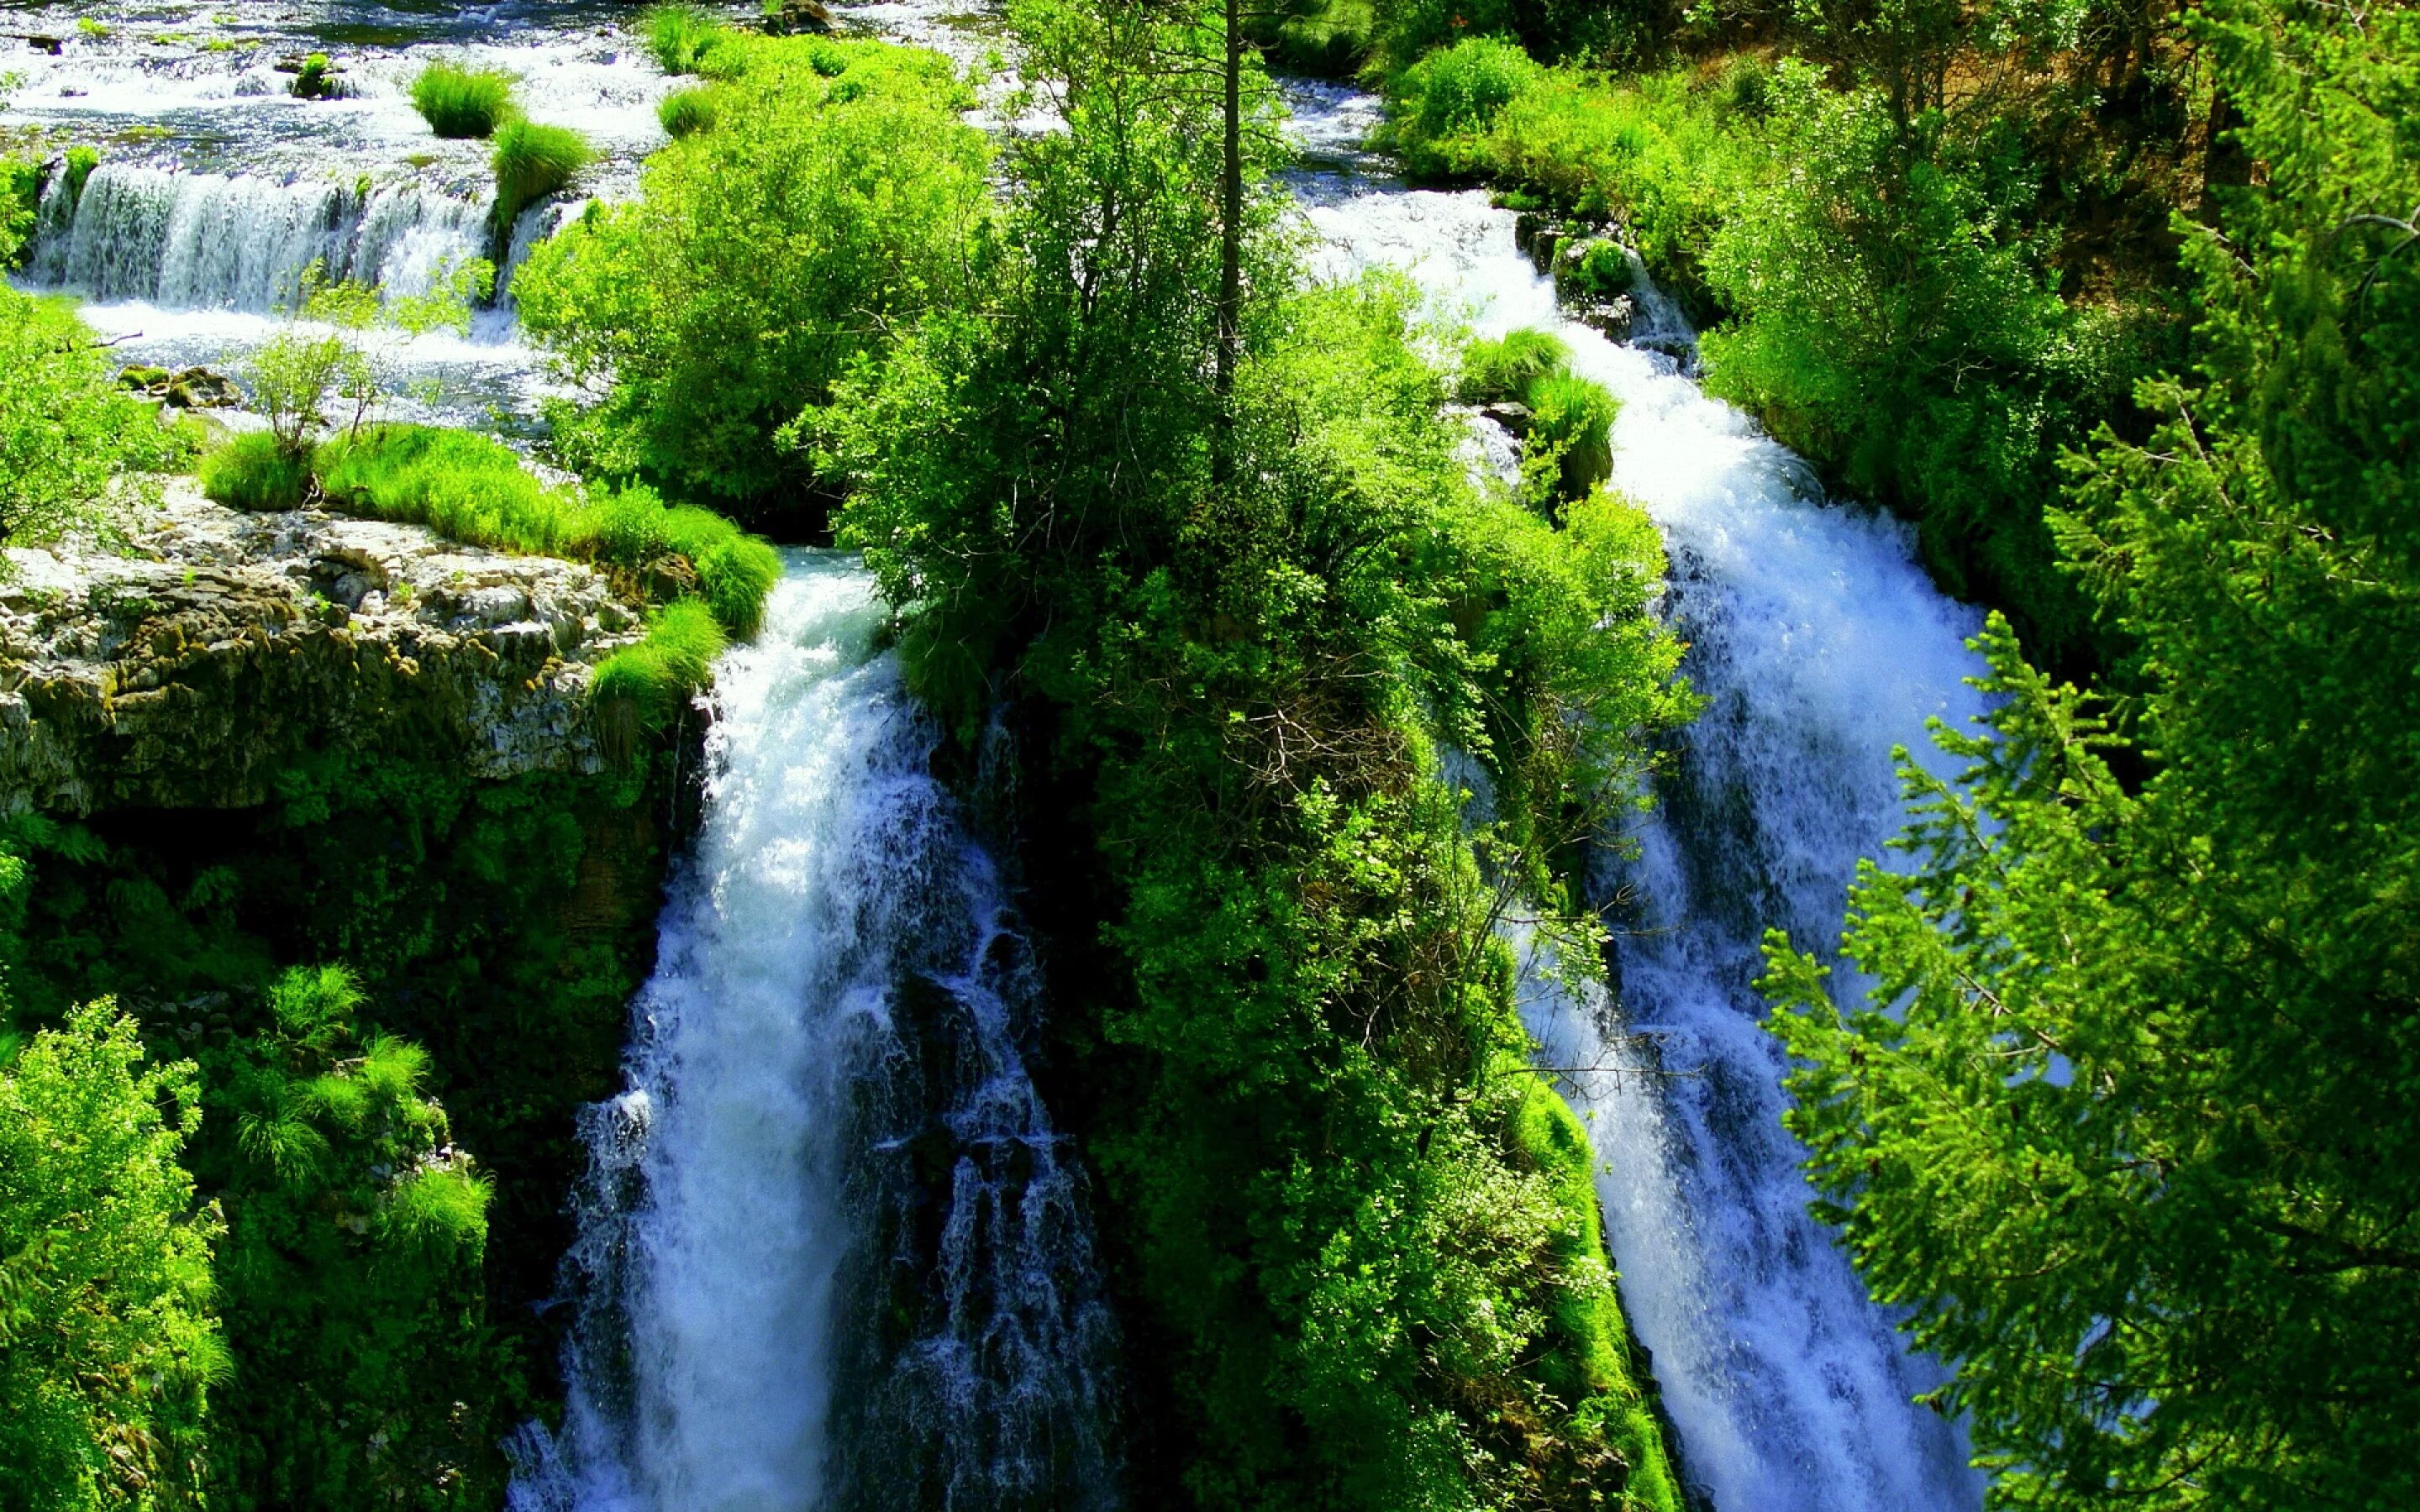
(1230, 255)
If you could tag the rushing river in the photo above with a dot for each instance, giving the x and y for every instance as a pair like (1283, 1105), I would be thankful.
(1819, 644)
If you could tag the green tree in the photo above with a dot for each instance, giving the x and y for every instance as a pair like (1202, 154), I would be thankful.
(2127, 1128)
(107, 1342)
(836, 197)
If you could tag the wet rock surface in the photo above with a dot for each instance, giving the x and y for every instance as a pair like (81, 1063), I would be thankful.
(214, 648)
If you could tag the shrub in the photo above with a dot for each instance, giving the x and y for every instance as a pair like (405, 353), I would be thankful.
(688, 110)
(317, 79)
(80, 161)
(462, 103)
(679, 36)
(705, 346)
(66, 427)
(1442, 107)
(254, 472)
(1495, 369)
(531, 161)
(1569, 446)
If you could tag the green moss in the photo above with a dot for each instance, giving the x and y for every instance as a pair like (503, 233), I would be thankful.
(1571, 432)
(1591, 1361)
(253, 472)
(462, 103)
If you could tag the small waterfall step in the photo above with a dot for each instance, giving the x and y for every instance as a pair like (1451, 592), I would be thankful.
(831, 1253)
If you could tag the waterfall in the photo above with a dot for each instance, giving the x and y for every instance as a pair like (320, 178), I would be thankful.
(1819, 644)
(831, 1253)
(199, 240)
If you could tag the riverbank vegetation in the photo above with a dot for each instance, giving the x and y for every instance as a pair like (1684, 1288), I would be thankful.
(2132, 1143)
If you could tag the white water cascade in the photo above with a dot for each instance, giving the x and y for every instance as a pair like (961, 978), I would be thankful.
(209, 241)
(1819, 644)
(832, 1254)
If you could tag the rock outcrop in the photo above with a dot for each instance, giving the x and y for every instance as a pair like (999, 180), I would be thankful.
(216, 648)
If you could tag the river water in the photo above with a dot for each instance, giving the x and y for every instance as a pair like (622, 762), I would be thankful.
(1820, 645)
(831, 1253)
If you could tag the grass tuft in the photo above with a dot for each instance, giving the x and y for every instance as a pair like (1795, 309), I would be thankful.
(655, 678)
(253, 472)
(690, 110)
(679, 36)
(531, 161)
(1504, 368)
(462, 103)
(472, 489)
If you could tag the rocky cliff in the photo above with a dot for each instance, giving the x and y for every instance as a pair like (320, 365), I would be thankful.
(188, 662)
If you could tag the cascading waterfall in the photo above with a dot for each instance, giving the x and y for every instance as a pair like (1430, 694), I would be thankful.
(831, 1253)
(206, 242)
(1821, 645)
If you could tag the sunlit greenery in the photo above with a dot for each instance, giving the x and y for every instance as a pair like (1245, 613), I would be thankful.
(2125, 1124)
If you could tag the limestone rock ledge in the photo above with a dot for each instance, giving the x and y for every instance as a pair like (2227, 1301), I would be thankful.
(219, 646)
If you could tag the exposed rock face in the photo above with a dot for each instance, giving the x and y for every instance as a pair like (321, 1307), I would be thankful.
(186, 673)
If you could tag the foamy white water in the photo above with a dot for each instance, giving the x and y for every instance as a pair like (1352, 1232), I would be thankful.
(776, 1312)
(1820, 645)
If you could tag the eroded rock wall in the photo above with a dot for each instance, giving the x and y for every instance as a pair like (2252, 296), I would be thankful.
(191, 665)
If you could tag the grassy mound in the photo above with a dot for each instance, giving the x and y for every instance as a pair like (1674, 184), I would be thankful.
(462, 103)
(531, 161)
(689, 110)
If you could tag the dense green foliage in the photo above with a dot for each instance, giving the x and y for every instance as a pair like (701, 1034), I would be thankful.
(1882, 304)
(837, 195)
(375, 1288)
(1355, 1233)
(65, 429)
(2128, 1123)
(457, 101)
(107, 1338)
(351, 1268)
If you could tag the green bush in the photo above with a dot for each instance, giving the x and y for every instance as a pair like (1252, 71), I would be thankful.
(1441, 109)
(254, 471)
(1499, 368)
(315, 79)
(684, 111)
(679, 36)
(80, 161)
(531, 161)
(462, 103)
(66, 427)
(704, 345)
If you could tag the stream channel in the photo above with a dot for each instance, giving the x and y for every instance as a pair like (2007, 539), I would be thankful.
(827, 1108)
